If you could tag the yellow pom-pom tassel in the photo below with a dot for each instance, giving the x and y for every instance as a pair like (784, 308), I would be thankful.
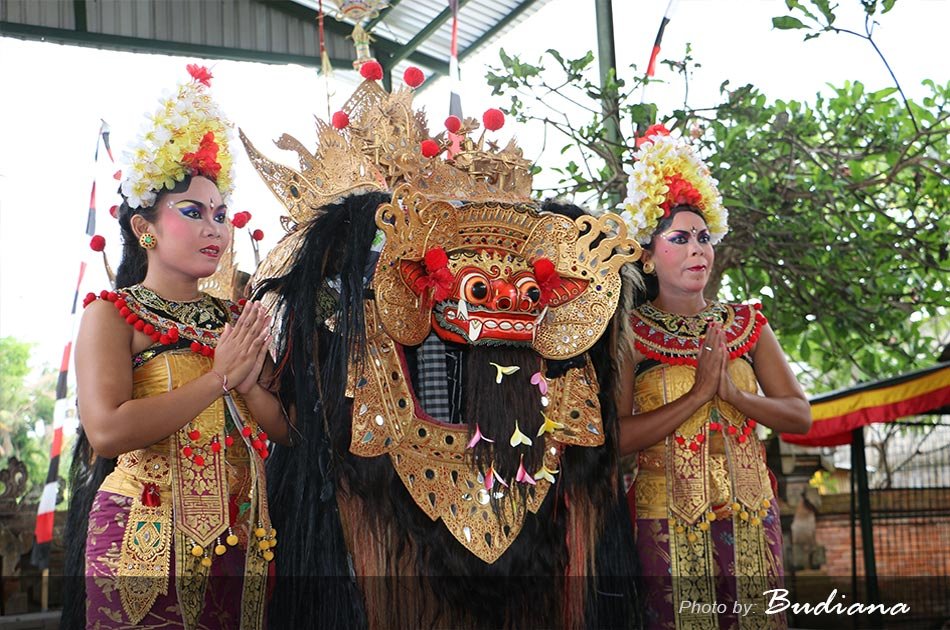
(268, 555)
(197, 550)
(263, 545)
(206, 562)
(232, 540)
(711, 516)
(691, 537)
(260, 532)
(756, 521)
(766, 504)
(744, 515)
(220, 549)
(736, 507)
(680, 529)
(704, 527)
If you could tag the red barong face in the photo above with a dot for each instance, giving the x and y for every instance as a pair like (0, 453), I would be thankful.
(495, 298)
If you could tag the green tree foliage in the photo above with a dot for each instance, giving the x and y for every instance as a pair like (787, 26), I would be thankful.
(839, 217)
(22, 406)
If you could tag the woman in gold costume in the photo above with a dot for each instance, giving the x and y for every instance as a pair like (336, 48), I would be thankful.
(168, 384)
(700, 376)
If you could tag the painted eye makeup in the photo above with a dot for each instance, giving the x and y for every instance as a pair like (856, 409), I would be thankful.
(189, 209)
(221, 215)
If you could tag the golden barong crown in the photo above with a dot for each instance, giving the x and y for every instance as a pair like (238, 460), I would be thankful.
(381, 148)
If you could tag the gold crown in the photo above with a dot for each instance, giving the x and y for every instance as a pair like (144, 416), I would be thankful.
(380, 147)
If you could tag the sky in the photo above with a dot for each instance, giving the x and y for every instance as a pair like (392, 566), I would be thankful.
(55, 96)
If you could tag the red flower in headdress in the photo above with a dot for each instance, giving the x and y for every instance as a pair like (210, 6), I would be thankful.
(681, 193)
(204, 161)
(658, 129)
(200, 74)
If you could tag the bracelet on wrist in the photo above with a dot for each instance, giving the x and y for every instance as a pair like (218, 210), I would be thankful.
(224, 380)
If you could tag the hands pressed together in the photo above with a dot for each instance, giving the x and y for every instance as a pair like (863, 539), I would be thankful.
(712, 369)
(242, 348)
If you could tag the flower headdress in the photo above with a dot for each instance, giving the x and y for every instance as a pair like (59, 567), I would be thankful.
(187, 135)
(667, 173)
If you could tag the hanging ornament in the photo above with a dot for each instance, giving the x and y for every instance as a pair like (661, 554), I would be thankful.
(356, 11)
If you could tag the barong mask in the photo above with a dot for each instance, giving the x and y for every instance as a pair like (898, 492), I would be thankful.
(465, 252)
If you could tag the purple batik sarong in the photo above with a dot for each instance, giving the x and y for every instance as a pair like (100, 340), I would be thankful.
(107, 520)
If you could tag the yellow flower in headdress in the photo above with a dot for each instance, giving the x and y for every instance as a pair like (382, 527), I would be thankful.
(666, 172)
(175, 142)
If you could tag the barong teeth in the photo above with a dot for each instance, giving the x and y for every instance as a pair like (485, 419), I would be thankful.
(463, 310)
(474, 330)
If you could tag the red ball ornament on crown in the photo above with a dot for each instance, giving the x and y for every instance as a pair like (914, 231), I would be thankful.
(371, 71)
(453, 124)
(430, 148)
(413, 77)
(98, 243)
(257, 235)
(493, 119)
(340, 120)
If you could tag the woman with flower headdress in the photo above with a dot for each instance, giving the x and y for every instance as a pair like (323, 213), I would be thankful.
(178, 533)
(700, 376)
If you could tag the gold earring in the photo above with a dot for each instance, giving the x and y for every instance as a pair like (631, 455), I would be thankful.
(147, 240)
(648, 267)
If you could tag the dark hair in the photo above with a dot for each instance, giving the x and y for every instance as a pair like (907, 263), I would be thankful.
(134, 263)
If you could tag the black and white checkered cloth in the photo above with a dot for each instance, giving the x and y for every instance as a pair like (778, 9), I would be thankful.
(432, 380)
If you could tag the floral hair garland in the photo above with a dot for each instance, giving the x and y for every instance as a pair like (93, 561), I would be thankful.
(187, 135)
(666, 173)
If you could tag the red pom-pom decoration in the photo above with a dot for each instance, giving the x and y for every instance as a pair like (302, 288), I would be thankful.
(139, 325)
(262, 436)
(229, 441)
(148, 329)
(371, 70)
(246, 431)
(194, 435)
(340, 120)
(453, 124)
(240, 219)
(494, 119)
(257, 235)
(436, 259)
(257, 444)
(173, 334)
(165, 340)
(413, 77)
(195, 347)
(206, 351)
(114, 211)
(199, 460)
(430, 148)
(186, 451)
(98, 243)
(215, 447)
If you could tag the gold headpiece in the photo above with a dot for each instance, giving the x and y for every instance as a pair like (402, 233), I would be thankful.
(377, 142)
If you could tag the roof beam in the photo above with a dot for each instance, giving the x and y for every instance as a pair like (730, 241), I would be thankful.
(406, 49)
(345, 29)
(494, 30)
(382, 15)
(180, 49)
